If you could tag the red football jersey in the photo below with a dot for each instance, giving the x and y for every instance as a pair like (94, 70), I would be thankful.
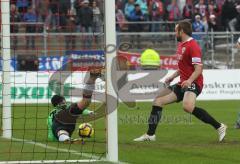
(189, 54)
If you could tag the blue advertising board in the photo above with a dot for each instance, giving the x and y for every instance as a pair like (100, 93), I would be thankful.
(81, 60)
(53, 63)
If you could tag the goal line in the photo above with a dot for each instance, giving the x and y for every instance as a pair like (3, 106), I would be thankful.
(94, 158)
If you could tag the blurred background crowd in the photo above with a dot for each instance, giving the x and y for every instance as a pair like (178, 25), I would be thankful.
(78, 23)
(87, 15)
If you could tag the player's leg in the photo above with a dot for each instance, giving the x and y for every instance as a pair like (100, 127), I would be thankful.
(156, 114)
(60, 131)
(51, 136)
(157, 108)
(63, 136)
(189, 106)
(88, 90)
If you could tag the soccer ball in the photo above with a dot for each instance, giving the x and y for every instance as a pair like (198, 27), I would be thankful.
(85, 130)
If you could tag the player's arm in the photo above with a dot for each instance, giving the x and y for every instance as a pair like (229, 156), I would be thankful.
(169, 79)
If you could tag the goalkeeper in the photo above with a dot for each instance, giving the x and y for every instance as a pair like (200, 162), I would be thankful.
(62, 119)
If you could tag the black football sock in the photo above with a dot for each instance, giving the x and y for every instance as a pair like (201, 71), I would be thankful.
(154, 119)
(203, 115)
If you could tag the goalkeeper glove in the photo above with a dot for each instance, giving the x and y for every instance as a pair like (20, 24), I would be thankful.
(87, 112)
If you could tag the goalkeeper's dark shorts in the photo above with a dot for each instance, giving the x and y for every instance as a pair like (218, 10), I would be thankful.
(179, 91)
(66, 120)
(57, 126)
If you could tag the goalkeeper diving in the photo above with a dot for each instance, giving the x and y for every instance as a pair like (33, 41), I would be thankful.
(62, 119)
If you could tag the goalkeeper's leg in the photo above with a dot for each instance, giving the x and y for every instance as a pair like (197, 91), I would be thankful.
(88, 90)
(63, 136)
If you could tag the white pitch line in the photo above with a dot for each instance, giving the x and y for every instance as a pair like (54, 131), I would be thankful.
(47, 161)
(94, 158)
(59, 149)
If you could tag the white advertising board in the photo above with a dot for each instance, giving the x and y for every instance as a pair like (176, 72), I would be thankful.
(33, 87)
(221, 85)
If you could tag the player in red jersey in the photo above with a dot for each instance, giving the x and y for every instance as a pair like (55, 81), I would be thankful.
(187, 89)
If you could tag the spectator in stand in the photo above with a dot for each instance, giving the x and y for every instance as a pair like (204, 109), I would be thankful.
(197, 26)
(234, 24)
(31, 18)
(97, 21)
(85, 22)
(136, 16)
(70, 40)
(120, 4)
(22, 6)
(174, 13)
(27, 63)
(120, 19)
(167, 2)
(100, 4)
(157, 12)
(214, 12)
(54, 11)
(220, 3)
(77, 5)
(14, 18)
(144, 8)
(22, 65)
(64, 11)
(229, 12)
(129, 7)
(120, 22)
(238, 17)
(42, 11)
(212, 8)
(212, 23)
(205, 23)
(201, 8)
(188, 10)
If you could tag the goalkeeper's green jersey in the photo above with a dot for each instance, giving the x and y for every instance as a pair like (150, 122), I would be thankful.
(65, 114)
(65, 117)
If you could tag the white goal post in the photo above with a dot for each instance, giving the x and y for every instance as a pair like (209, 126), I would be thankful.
(112, 119)
(110, 39)
(6, 77)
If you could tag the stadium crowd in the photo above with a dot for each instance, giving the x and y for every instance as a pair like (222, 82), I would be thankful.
(131, 16)
(87, 15)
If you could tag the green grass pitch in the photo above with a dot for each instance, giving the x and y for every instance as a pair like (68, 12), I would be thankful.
(181, 138)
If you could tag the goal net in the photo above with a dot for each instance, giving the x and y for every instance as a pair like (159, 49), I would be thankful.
(47, 48)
